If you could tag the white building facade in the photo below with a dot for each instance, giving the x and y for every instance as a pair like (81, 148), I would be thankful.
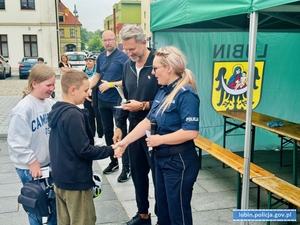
(29, 28)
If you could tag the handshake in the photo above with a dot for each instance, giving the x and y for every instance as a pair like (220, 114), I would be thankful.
(119, 145)
(152, 139)
(119, 149)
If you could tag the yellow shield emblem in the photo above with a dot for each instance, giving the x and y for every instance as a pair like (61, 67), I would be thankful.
(230, 85)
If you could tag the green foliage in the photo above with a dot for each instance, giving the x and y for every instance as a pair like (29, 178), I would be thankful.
(99, 33)
(86, 36)
(82, 45)
(95, 44)
(91, 40)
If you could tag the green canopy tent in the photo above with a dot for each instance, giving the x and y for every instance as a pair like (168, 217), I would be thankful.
(230, 15)
(274, 14)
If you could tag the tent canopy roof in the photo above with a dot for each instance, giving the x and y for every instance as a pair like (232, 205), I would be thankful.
(225, 14)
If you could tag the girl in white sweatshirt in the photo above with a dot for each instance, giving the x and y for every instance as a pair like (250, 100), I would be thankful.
(28, 130)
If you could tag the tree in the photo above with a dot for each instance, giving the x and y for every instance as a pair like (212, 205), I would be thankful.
(82, 45)
(99, 33)
(86, 36)
(95, 44)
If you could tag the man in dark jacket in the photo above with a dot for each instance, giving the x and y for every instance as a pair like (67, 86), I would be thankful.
(140, 88)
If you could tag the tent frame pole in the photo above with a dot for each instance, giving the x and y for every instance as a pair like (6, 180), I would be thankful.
(247, 146)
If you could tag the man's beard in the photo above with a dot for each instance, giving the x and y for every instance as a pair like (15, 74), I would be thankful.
(111, 49)
(138, 57)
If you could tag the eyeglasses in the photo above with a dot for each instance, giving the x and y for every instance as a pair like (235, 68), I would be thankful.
(155, 68)
(108, 40)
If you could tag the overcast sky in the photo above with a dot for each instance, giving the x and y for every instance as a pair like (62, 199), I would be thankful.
(91, 12)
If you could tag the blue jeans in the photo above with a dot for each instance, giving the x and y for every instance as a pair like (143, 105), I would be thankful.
(25, 177)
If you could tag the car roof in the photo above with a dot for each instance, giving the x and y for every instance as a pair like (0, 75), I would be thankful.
(75, 53)
(30, 59)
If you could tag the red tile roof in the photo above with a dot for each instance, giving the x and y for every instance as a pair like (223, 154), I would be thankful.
(69, 17)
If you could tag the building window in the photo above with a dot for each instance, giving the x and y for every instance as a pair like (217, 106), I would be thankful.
(3, 46)
(144, 14)
(61, 33)
(27, 4)
(30, 45)
(61, 18)
(2, 4)
(72, 33)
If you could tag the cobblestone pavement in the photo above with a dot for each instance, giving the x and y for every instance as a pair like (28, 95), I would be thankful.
(14, 86)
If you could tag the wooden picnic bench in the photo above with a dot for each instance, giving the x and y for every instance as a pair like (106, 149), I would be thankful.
(287, 193)
(232, 160)
(289, 133)
(280, 190)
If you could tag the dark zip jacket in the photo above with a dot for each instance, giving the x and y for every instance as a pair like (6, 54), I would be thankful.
(142, 88)
(71, 146)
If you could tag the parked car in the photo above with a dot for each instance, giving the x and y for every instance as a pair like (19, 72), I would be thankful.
(25, 66)
(5, 68)
(77, 60)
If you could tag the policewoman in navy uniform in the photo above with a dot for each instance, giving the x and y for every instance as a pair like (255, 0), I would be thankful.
(176, 113)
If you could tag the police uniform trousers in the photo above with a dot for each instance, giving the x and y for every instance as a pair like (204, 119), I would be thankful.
(175, 176)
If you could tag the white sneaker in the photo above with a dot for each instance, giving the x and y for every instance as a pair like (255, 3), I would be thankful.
(99, 142)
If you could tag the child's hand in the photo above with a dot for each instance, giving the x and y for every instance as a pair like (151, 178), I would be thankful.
(119, 148)
(35, 169)
(118, 151)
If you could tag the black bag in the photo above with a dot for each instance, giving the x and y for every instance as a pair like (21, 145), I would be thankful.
(35, 197)
(95, 97)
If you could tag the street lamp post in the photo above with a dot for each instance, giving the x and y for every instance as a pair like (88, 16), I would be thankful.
(75, 25)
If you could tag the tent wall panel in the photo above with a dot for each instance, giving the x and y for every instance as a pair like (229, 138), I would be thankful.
(280, 77)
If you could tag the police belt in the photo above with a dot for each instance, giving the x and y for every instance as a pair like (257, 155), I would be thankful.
(168, 150)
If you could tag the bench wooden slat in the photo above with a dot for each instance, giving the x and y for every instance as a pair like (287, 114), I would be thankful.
(281, 188)
(258, 175)
(231, 159)
(257, 171)
(289, 129)
(225, 156)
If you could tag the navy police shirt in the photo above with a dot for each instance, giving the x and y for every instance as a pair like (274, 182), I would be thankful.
(183, 113)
